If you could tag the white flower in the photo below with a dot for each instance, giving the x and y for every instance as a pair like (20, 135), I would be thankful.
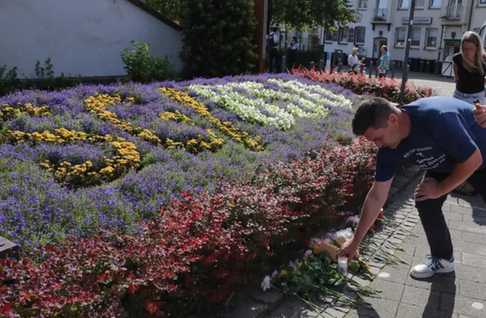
(265, 283)
(352, 219)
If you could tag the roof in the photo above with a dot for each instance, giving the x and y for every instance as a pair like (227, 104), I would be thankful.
(145, 7)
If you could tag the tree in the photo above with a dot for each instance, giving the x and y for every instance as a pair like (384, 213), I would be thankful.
(217, 38)
(297, 14)
(169, 8)
(310, 14)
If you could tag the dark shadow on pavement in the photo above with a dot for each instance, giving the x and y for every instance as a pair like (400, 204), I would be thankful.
(367, 313)
(438, 307)
(478, 206)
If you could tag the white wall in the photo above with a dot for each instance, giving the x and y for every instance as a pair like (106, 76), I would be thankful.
(80, 36)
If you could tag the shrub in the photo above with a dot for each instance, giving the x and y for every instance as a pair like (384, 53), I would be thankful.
(8, 80)
(143, 67)
(195, 252)
(218, 38)
(362, 85)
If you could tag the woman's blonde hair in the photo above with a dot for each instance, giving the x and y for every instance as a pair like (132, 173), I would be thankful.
(354, 49)
(478, 65)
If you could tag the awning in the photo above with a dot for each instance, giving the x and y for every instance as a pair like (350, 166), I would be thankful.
(452, 40)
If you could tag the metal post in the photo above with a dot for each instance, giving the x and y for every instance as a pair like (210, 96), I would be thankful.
(371, 67)
(284, 64)
(439, 50)
(407, 50)
(312, 64)
(393, 69)
(321, 64)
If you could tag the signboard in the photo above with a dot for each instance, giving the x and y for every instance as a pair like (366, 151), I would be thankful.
(357, 17)
(417, 20)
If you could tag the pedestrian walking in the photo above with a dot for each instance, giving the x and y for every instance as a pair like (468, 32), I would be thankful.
(292, 53)
(384, 64)
(272, 51)
(354, 62)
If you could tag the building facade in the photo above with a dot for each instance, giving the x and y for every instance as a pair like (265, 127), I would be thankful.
(82, 37)
(438, 27)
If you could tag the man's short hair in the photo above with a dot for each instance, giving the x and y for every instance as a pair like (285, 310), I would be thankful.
(274, 29)
(374, 113)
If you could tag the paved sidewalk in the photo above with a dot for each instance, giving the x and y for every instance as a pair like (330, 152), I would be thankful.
(461, 294)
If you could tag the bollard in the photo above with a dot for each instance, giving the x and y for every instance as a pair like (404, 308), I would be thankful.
(312, 64)
(393, 69)
(284, 64)
(321, 64)
(340, 65)
(371, 67)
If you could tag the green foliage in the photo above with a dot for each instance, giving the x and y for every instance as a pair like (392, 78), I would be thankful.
(143, 67)
(310, 14)
(8, 80)
(218, 38)
(44, 79)
(169, 8)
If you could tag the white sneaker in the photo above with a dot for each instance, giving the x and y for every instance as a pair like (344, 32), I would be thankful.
(432, 266)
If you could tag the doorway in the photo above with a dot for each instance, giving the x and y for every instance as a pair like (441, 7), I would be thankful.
(377, 44)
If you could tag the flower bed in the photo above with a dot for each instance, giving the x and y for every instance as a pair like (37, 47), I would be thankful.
(363, 85)
(196, 251)
(107, 156)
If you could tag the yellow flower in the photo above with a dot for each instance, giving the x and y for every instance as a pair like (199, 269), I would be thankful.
(283, 272)
(107, 170)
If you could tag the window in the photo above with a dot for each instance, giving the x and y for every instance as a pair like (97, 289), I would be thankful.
(343, 35)
(329, 36)
(359, 36)
(382, 4)
(335, 36)
(419, 4)
(403, 4)
(351, 35)
(481, 2)
(416, 33)
(431, 38)
(363, 4)
(400, 37)
(435, 4)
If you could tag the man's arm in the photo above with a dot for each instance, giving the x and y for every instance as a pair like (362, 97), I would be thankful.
(372, 205)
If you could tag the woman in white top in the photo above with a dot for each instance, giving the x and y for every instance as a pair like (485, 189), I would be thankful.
(353, 61)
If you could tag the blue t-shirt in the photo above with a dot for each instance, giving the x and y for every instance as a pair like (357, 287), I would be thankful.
(443, 133)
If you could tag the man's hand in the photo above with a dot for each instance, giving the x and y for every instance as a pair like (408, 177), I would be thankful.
(349, 248)
(428, 189)
(480, 115)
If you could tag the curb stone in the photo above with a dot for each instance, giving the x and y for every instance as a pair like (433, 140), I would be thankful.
(274, 304)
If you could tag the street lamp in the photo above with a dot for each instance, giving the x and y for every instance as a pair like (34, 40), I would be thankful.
(407, 51)
(439, 50)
